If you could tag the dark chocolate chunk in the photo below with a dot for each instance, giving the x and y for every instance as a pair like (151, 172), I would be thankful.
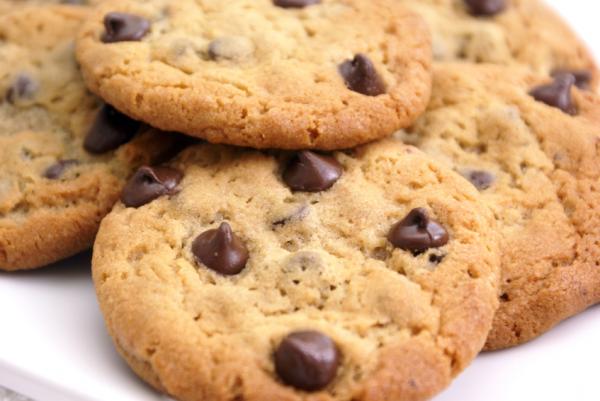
(55, 171)
(557, 94)
(482, 180)
(485, 7)
(110, 130)
(221, 250)
(307, 360)
(122, 27)
(417, 232)
(23, 87)
(360, 76)
(149, 183)
(311, 172)
(583, 78)
(295, 3)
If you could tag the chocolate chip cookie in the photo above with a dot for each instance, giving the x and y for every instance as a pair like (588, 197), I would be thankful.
(531, 145)
(63, 155)
(7, 5)
(505, 32)
(288, 74)
(232, 274)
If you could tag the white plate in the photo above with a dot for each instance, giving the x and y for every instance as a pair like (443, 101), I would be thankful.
(53, 345)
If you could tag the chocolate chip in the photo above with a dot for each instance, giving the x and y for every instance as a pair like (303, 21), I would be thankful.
(417, 232)
(149, 183)
(24, 87)
(221, 250)
(583, 78)
(311, 172)
(122, 27)
(360, 76)
(295, 3)
(436, 259)
(230, 48)
(55, 171)
(486, 7)
(482, 180)
(110, 130)
(557, 94)
(299, 214)
(307, 360)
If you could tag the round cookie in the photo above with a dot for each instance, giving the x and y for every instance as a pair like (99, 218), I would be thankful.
(374, 278)
(505, 32)
(53, 193)
(531, 145)
(330, 74)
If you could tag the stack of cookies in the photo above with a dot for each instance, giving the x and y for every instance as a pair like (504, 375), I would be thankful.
(319, 200)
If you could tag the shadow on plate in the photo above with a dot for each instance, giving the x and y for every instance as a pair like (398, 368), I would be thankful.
(73, 268)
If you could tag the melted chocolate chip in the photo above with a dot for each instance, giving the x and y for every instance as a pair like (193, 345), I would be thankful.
(583, 78)
(307, 360)
(557, 94)
(311, 172)
(482, 180)
(149, 183)
(485, 7)
(23, 87)
(221, 250)
(55, 171)
(299, 214)
(110, 130)
(417, 232)
(360, 76)
(295, 3)
(122, 27)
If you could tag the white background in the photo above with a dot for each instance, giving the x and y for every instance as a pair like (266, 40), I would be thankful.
(53, 345)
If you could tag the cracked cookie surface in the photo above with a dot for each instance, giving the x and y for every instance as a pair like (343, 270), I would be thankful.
(403, 322)
(525, 32)
(260, 75)
(538, 167)
(52, 192)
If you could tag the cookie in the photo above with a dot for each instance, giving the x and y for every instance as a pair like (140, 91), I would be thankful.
(7, 5)
(280, 74)
(232, 274)
(505, 32)
(531, 145)
(63, 155)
